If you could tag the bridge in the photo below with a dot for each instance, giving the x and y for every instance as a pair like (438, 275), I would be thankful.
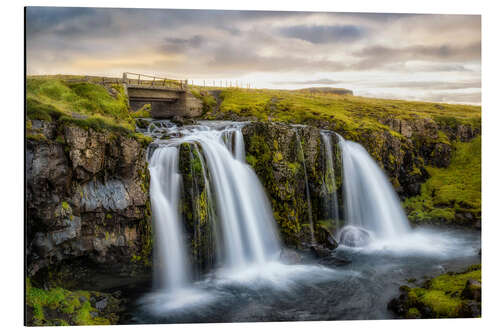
(167, 97)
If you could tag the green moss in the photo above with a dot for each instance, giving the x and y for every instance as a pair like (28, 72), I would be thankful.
(442, 295)
(252, 160)
(456, 188)
(453, 284)
(83, 104)
(36, 137)
(413, 313)
(83, 316)
(277, 157)
(143, 112)
(351, 115)
(294, 167)
(441, 304)
(61, 307)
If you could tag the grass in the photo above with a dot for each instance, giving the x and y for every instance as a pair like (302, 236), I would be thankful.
(350, 114)
(84, 104)
(451, 190)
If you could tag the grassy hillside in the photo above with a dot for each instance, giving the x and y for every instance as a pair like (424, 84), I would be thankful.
(350, 113)
(84, 104)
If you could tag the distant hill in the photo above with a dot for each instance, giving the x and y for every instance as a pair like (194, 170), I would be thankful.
(328, 90)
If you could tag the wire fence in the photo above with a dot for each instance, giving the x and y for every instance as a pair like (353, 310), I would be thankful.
(152, 81)
(221, 84)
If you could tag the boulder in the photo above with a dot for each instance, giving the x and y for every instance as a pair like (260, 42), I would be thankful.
(472, 290)
(354, 236)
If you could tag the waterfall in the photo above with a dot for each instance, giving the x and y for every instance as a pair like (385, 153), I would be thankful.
(170, 268)
(244, 215)
(371, 205)
(329, 183)
(235, 143)
(302, 158)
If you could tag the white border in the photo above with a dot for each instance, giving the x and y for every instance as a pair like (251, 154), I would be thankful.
(12, 161)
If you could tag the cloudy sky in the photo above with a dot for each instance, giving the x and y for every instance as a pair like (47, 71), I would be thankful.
(418, 57)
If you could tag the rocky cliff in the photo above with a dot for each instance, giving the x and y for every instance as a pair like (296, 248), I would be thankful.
(87, 190)
(86, 197)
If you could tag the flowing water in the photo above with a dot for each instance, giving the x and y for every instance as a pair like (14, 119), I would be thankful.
(250, 282)
(170, 261)
(249, 236)
(372, 208)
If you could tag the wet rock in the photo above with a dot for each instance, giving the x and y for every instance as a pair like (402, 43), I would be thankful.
(477, 225)
(354, 236)
(472, 290)
(470, 309)
(100, 305)
(178, 120)
(324, 237)
(320, 251)
(87, 197)
(142, 123)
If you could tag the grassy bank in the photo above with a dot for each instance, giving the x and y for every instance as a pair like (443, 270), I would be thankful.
(451, 193)
(350, 113)
(84, 104)
(451, 295)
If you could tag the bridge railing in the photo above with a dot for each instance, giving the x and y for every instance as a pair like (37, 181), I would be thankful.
(153, 81)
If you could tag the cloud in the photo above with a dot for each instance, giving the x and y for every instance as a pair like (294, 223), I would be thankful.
(319, 34)
(181, 44)
(434, 85)
(376, 56)
(362, 50)
(308, 82)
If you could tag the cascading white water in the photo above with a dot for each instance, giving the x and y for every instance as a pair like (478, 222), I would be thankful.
(170, 270)
(243, 212)
(235, 143)
(371, 206)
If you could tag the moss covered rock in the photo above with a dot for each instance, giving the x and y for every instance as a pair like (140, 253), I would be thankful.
(87, 197)
(451, 295)
(62, 307)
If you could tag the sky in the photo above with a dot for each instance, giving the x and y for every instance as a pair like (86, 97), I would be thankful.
(404, 56)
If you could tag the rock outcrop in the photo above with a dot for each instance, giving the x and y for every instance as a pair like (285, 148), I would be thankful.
(451, 295)
(87, 197)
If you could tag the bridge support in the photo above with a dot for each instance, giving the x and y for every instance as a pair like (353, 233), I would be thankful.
(165, 103)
